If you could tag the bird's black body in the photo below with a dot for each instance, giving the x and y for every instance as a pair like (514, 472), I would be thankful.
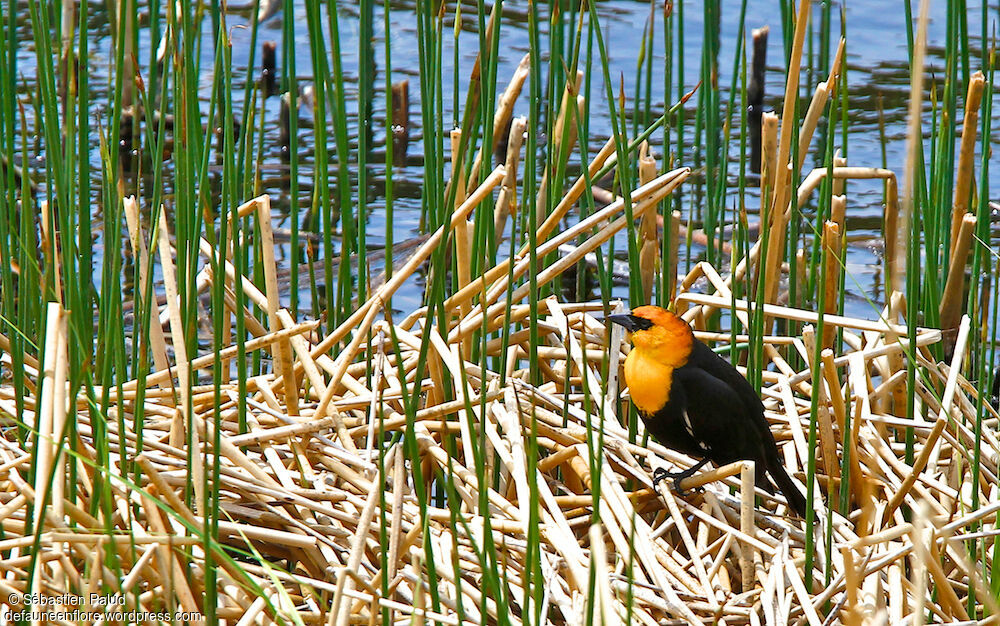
(711, 412)
(714, 413)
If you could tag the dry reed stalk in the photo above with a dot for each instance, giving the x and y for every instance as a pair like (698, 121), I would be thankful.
(839, 184)
(463, 242)
(49, 245)
(228, 245)
(966, 155)
(890, 232)
(650, 248)
(769, 160)
(458, 178)
(896, 311)
(158, 345)
(818, 103)
(747, 526)
(578, 107)
(672, 267)
(815, 177)
(282, 349)
(952, 299)
(913, 139)
(505, 109)
(46, 453)
(183, 365)
(950, 384)
(918, 466)
(171, 569)
(59, 433)
(507, 199)
(838, 212)
(811, 317)
(832, 237)
(852, 614)
(813, 113)
(345, 582)
(703, 581)
(833, 388)
(563, 138)
(776, 213)
(836, 394)
(826, 437)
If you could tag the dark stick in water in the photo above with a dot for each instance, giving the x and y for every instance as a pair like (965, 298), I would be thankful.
(399, 124)
(755, 95)
(268, 61)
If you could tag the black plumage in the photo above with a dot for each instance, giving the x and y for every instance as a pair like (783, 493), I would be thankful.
(711, 412)
(714, 413)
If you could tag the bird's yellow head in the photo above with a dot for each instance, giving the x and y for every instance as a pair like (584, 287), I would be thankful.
(661, 343)
(658, 334)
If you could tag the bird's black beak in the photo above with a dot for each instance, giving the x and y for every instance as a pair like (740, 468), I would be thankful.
(631, 322)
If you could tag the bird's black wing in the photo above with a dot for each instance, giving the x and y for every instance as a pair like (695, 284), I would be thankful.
(730, 420)
(718, 417)
(705, 359)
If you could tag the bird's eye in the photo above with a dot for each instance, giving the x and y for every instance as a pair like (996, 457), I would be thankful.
(641, 323)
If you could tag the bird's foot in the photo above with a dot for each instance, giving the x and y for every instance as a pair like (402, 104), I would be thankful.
(660, 475)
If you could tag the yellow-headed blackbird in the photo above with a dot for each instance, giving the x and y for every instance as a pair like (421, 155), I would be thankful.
(695, 402)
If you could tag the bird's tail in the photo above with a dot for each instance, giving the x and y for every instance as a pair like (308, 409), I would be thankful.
(796, 500)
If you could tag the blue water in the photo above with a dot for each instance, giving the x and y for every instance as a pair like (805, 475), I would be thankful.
(877, 69)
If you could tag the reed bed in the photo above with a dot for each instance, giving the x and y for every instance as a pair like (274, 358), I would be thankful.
(190, 437)
(338, 504)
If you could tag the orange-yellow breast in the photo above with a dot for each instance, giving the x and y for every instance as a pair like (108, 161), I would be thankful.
(648, 381)
(656, 352)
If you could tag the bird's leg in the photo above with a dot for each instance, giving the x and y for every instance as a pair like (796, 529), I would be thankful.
(662, 474)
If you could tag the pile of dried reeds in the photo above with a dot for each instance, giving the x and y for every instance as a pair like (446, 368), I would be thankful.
(302, 494)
